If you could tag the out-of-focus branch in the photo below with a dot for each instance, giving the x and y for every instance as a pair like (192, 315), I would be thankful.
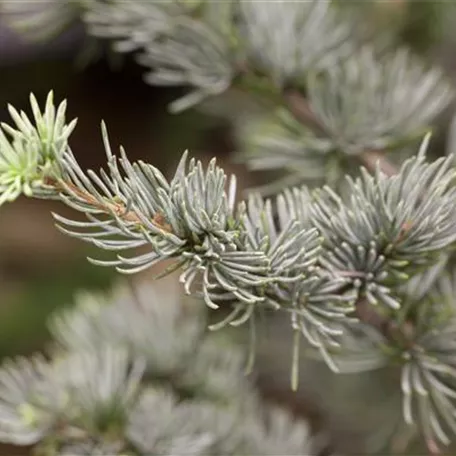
(300, 108)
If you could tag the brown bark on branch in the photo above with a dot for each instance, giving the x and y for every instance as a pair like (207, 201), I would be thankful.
(108, 207)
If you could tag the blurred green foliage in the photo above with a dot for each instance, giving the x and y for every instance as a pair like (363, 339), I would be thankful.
(23, 320)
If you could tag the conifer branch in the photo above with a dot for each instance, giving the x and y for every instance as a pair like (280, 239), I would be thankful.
(301, 109)
(374, 158)
(360, 275)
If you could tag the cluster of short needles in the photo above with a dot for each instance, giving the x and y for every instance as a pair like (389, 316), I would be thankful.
(137, 374)
(343, 256)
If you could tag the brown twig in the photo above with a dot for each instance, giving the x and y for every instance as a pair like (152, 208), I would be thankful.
(300, 108)
(371, 158)
(402, 333)
(432, 447)
(108, 207)
(366, 314)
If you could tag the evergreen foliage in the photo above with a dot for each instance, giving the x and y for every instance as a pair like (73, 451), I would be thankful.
(139, 375)
(362, 264)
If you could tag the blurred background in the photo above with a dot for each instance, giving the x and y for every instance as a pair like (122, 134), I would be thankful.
(40, 268)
